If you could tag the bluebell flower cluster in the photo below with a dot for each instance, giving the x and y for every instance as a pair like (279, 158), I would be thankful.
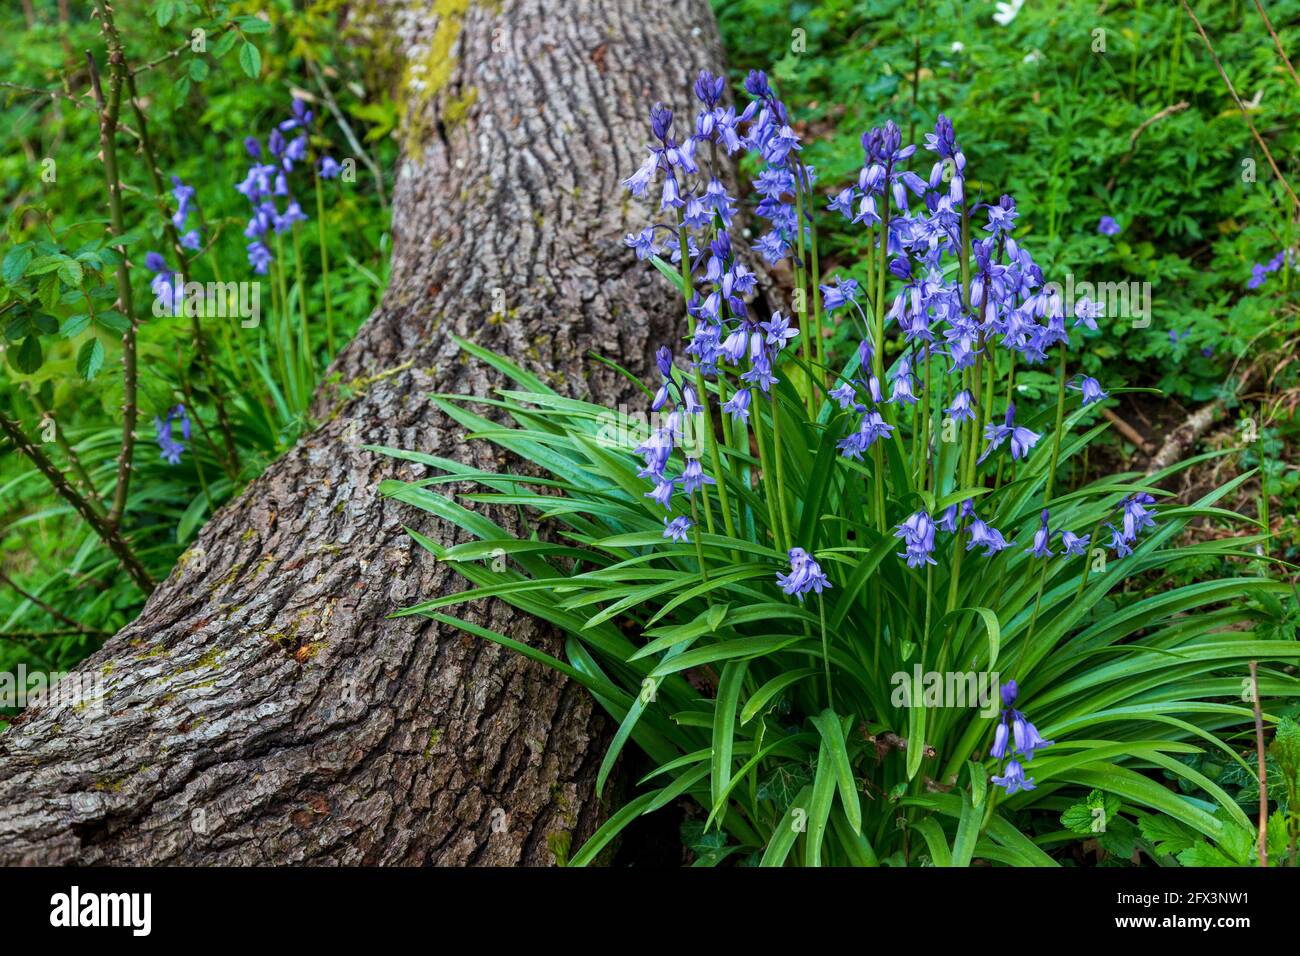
(917, 532)
(726, 333)
(871, 425)
(772, 138)
(1090, 387)
(171, 448)
(1042, 546)
(1007, 305)
(1260, 272)
(1014, 731)
(184, 195)
(1010, 305)
(677, 529)
(266, 186)
(1022, 439)
(683, 404)
(166, 283)
(1075, 544)
(1072, 544)
(1135, 517)
(805, 575)
(984, 535)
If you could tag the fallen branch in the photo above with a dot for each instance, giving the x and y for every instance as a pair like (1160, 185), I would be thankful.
(1129, 432)
(1183, 438)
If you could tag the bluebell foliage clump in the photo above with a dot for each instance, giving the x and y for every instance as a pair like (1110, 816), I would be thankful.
(743, 584)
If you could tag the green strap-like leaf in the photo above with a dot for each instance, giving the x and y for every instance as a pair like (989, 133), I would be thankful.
(832, 732)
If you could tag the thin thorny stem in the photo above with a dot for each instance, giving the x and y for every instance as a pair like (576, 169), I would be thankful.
(109, 110)
(1245, 114)
(1277, 43)
(48, 609)
(107, 532)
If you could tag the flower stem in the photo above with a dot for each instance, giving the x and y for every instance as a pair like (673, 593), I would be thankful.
(1047, 495)
(724, 500)
(765, 467)
(324, 264)
(305, 363)
(814, 280)
(282, 332)
(699, 548)
(826, 650)
(1060, 424)
(783, 505)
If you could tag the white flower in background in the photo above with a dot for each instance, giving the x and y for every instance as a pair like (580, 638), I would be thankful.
(1033, 56)
(958, 46)
(1007, 11)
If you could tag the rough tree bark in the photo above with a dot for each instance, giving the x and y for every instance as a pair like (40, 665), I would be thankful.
(263, 709)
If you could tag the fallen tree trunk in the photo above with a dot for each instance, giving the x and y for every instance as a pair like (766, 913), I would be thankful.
(264, 708)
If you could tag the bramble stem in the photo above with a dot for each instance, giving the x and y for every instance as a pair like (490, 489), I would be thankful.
(110, 108)
(47, 608)
(107, 532)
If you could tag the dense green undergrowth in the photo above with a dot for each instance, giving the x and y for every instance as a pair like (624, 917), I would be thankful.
(233, 396)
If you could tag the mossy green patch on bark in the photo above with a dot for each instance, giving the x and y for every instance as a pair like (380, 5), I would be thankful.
(458, 108)
(426, 76)
(559, 843)
(211, 659)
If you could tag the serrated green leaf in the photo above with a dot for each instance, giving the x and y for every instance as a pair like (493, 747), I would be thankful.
(112, 320)
(15, 264)
(90, 358)
(1168, 836)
